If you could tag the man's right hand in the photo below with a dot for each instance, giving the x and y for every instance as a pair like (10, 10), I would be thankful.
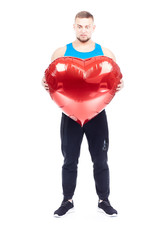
(44, 84)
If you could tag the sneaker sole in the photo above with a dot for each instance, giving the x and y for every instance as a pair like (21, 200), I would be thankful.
(109, 215)
(69, 211)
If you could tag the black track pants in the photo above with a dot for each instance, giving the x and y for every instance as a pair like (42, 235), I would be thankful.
(96, 131)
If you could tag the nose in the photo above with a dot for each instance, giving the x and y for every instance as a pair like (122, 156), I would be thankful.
(83, 30)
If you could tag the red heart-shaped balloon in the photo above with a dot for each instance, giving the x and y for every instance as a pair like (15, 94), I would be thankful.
(82, 87)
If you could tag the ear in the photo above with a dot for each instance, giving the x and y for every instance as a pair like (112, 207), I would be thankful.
(74, 26)
(94, 26)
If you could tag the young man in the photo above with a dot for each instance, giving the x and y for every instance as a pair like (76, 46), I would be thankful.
(72, 133)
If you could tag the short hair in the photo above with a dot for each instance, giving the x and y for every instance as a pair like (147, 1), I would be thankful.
(84, 14)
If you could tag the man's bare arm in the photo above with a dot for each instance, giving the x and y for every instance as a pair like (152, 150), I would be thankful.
(109, 54)
(59, 52)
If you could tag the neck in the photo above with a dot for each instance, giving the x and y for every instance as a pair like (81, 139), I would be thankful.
(83, 44)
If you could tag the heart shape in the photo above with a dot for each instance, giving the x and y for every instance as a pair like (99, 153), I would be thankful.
(82, 87)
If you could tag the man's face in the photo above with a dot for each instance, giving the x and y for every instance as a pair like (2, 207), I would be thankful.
(84, 28)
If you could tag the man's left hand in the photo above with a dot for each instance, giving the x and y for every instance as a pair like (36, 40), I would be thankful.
(120, 86)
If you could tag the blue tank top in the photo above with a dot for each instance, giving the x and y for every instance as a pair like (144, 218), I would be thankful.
(72, 52)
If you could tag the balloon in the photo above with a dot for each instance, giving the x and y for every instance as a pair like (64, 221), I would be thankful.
(82, 87)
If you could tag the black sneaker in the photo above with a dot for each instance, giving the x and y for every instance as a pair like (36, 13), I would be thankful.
(66, 207)
(106, 208)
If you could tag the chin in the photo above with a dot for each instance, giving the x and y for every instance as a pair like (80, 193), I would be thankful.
(83, 40)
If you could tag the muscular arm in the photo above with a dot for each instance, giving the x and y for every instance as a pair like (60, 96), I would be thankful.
(109, 54)
(59, 52)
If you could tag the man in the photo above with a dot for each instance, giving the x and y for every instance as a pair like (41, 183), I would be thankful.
(96, 129)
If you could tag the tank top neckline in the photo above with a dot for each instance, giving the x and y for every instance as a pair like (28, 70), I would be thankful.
(84, 52)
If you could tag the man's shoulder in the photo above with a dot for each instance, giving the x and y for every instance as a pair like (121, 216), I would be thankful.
(59, 52)
(61, 49)
(108, 53)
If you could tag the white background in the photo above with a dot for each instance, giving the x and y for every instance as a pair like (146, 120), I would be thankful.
(31, 159)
